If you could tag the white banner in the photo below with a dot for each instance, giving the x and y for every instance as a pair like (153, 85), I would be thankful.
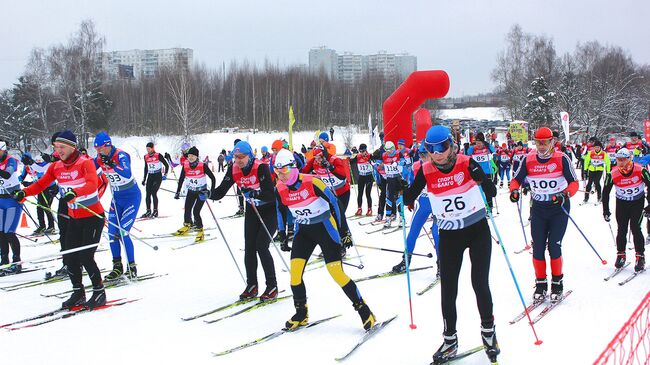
(371, 135)
(564, 117)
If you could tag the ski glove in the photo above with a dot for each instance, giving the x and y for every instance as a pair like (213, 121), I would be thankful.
(559, 198)
(204, 195)
(20, 196)
(281, 237)
(144, 182)
(514, 196)
(284, 246)
(607, 216)
(27, 160)
(107, 161)
(5, 174)
(250, 193)
(525, 189)
(177, 196)
(47, 158)
(69, 196)
(164, 177)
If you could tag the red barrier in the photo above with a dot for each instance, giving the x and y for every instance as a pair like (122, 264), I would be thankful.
(422, 123)
(400, 105)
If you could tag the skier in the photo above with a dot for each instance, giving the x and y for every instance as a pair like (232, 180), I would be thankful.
(316, 212)
(391, 160)
(77, 177)
(332, 133)
(552, 182)
(331, 170)
(596, 161)
(611, 149)
(421, 212)
(365, 178)
(454, 184)
(504, 160)
(197, 192)
(10, 211)
(628, 178)
(481, 152)
(116, 165)
(253, 178)
(638, 147)
(39, 165)
(266, 156)
(517, 155)
(153, 177)
(406, 163)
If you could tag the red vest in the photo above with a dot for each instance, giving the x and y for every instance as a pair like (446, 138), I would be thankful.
(546, 179)
(303, 203)
(629, 187)
(196, 180)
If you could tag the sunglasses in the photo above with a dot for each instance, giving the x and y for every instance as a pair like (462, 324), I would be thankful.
(437, 148)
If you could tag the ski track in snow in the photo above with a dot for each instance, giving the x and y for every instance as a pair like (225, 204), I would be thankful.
(203, 277)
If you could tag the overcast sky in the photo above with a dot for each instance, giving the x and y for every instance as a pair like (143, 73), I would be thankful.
(461, 37)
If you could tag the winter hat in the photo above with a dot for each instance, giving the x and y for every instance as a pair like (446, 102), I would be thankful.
(543, 134)
(193, 151)
(481, 137)
(401, 142)
(363, 147)
(67, 137)
(103, 140)
(598, 144)
(264, 149)
(244, 148)
(623, 153)
(634, 134)
(520, 143)
(320, 150)
(150, 144)
(236, 141)
(324, 136)
(277, 145)
(389, 146)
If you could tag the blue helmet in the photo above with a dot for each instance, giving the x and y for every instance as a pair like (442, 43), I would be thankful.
(401, 142)
(438, 139)
(264, 149)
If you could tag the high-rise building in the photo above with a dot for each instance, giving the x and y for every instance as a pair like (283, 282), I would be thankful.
(144, 63)
(325, 60)
(349, 67)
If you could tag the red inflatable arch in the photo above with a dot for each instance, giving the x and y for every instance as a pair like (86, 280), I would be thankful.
(399, 107)
(422, 123)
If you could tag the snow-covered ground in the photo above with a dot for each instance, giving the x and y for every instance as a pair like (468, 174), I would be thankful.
(202, 277)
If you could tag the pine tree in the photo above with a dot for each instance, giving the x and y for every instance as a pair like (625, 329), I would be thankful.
(540, 105)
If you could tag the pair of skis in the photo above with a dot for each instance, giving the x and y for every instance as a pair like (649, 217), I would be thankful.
(540, 303)
(108, 284)
(626, 280)
(463, 355)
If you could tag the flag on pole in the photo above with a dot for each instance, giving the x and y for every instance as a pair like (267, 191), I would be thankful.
(371, 135)
(376, 141)
(564, 116)
(292, 121)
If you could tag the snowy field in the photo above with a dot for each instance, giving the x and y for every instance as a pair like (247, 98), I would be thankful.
(203, 277)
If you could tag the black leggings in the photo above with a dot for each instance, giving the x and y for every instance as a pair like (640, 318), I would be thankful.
(594, 178)
(45, 199)
(344, 200)
(7, 240)
(62, 222)
(153, 184)
(193, 206)
(256, 243)
(364, 184)
(450, 253)
(629, 213)
(381, 184)
(82, 232)
(392, 184)
(304, 242)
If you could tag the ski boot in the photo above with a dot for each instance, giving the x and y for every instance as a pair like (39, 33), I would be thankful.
(60, 273)
(38, 231)
(541, 288)
(154, 213)
(97, 299)
(271, 292)
(290, 233)
(389, 220)
(358, 211)
(132, 271)
(557, 287)
(77, 298)
(369, 212)
(50, 230)
(183, 231)
(200, 236)
(146, 214)
(249, 293)
(367, 318)
(640, 262)
(240, 211)
(11, 270)
(401, 267)
(301, 318)
(501, 185)
(489, 338)
(380, 217)
(118, 270)
(620, 260)
(447, 350)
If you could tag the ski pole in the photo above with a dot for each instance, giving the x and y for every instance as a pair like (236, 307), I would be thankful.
(225, 241)
(611, 232)
(604, 262)
(96, 215)
(257, 213)
(429, 255)
(512, 273)
(60, 253)
(521, 221)
(32, 219)
(35, 240)
(351, 264)
(406, 261)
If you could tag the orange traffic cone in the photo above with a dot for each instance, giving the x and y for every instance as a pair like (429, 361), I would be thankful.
(23, 221)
